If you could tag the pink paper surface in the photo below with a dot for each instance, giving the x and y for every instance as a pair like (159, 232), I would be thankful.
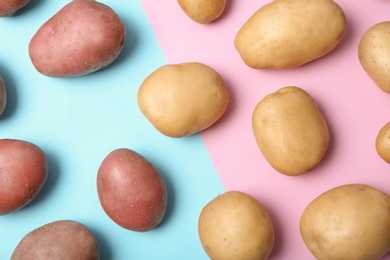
(353, 106)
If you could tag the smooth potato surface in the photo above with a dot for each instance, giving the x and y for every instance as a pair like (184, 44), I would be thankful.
(23, 173)
(382, 143)
(289, 33)
(203, 11)
(62, 239)
(9, 7)
(83, 37)
(131, 190)
(347, 222)
(3, 95)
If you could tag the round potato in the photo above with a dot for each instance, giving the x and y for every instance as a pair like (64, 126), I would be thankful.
(289, 33)
(62, 239)
(203, 11)
(9, 7)
(183, 99)
(347, 222)
(374, 54)
(3, 95)
(235, 225)
(382, 143)
(290, 131)
(23, 173)
(131, 190)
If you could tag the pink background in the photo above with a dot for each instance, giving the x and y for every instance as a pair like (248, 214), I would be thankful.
(353, 106)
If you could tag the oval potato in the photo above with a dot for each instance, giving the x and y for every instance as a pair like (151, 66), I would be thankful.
(289, 33)
(3, 95)
(382, 143)
(351, 221)
(290, 130)
(203, 11)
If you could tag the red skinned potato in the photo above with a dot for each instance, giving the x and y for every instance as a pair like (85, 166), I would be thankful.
(23, 172)
(3, 95)
(9, 7)
(62, 239)
(131, 190)
(83, 37)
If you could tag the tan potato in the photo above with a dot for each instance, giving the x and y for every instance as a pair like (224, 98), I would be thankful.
(348, 222)
(3, 95)
(183, 99)
(382, 143)
(235, 225)
(374, 54)
(9, 7)
(289, 33)
(290, 130)
(81, 38)
(203, 11)
(62, 239)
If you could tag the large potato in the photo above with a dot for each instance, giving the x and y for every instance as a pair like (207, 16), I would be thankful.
(290, 130)
(131, 190)
(23, 172)
(3, 95)
(183, 99)
(203, 11)
(374, 54)
(235, 225)
(62, 239)
(382, 143)
(289, 33)
(9, 7)
(83, 37)
(347, 222)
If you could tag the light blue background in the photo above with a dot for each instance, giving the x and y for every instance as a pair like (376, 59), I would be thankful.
(78, 121)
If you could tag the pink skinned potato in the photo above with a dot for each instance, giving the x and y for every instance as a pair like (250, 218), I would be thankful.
(131, 190)
(23, 172)
(3, 95)
(81, 38)
(9, 7)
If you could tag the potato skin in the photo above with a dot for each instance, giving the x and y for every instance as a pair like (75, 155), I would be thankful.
(235, 225)
(3, 95)
(62, 239)
(290, 131)
(131, 190)
(203, 11)
(382, 143)
(9, 7)
(374, 54)
(83, 37)
(286, 34)
(351, 221)
(23, 173)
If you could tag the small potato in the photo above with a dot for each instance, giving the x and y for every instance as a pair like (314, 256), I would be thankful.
(62, 239)
(3, 95)
(183, 99)
(23, 172)
(131, 190)
(9, 7)
(290, 130)
(351, 221)
(382, 143)
(374, 54)
(235, 225)
(203, 11)
(83, 37)
(289, 33)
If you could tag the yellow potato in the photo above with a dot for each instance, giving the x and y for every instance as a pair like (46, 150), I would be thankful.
(374, 54)
(290, 130)
(203, 11)
(289, 33)
(234, 226)
(382, 143)
(183, 99)
(348, 222)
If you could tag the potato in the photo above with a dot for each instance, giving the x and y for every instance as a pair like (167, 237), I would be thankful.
(83, 37)
(131, 190)
(9, 7)
(3, 95)
(290, 130)
(374, 54)
(351, 221)
(382, 143)
(23, 173)
(183, 99)
(203, 11)
(62, 239)
(286, 34)
(235, 225)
